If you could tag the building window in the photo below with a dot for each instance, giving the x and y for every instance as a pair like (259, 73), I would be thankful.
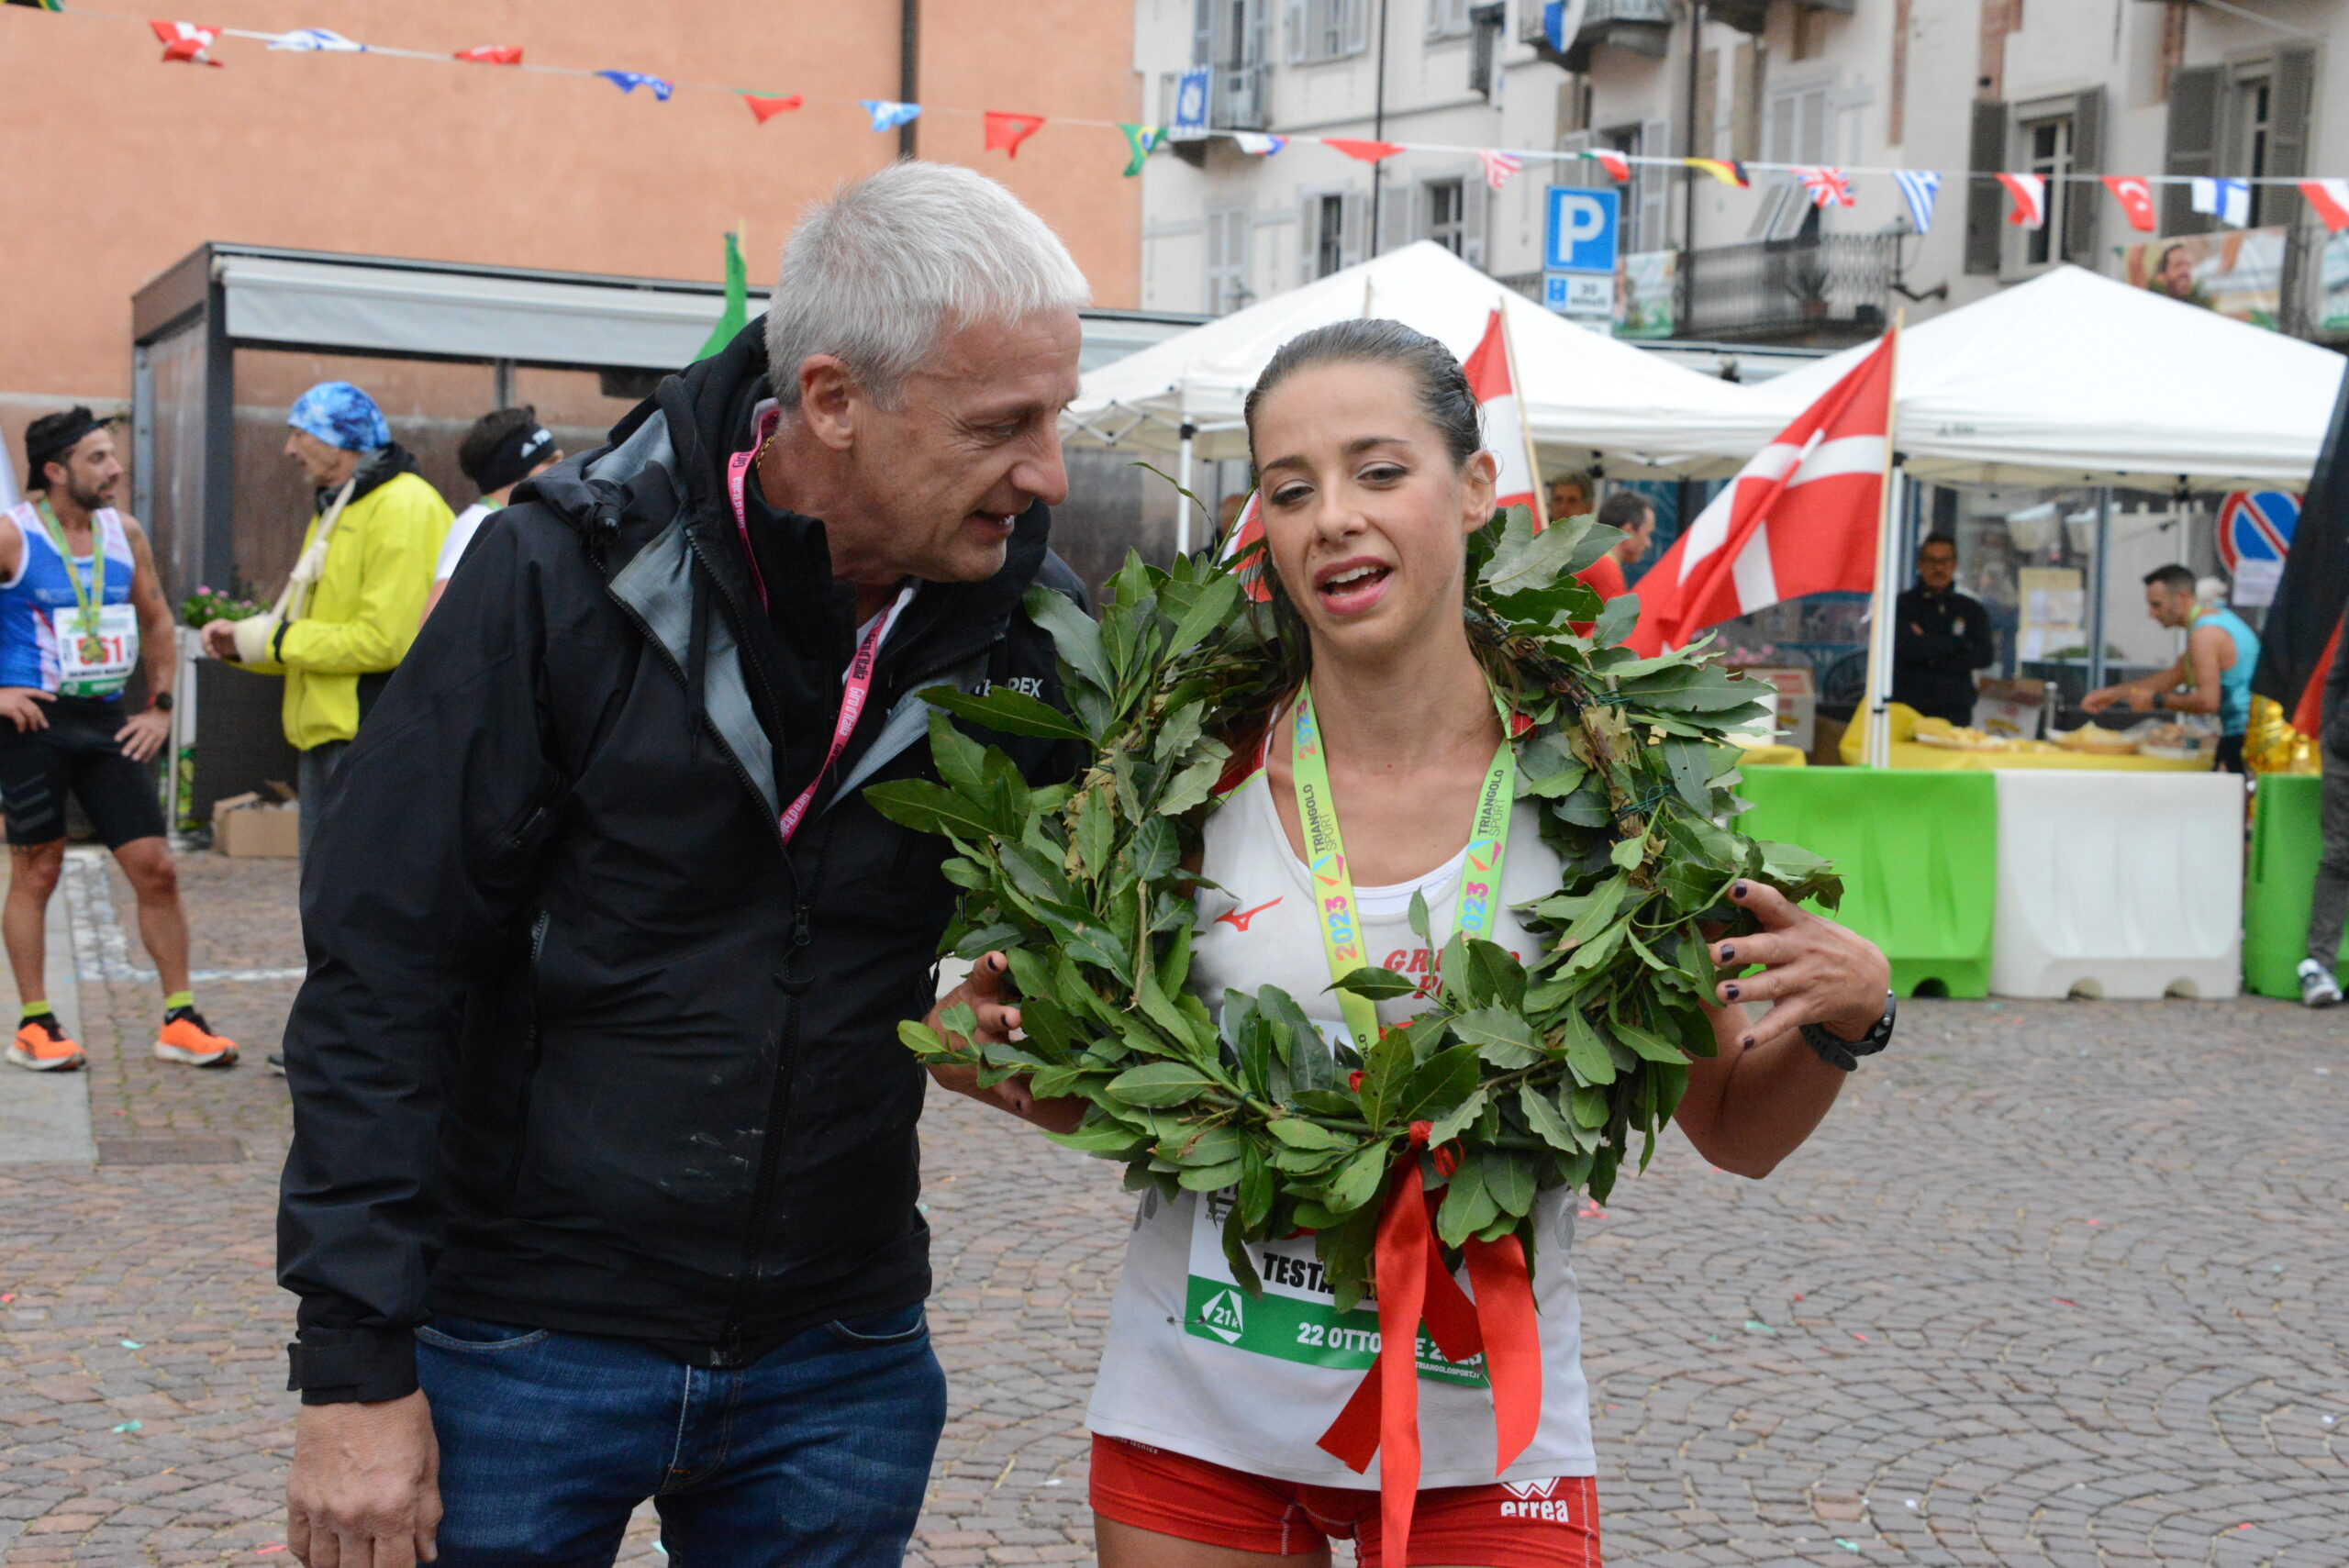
(1227, 269)
(2047, 152)
(2254, 133)
(1327, 30)
(1447, 18)
(1329, 236)
(1484, 49)
(1447, 212)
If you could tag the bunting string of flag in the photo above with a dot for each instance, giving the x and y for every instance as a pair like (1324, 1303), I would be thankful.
(2228, 199)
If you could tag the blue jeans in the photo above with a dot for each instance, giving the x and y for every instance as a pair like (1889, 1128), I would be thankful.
(817, 1456)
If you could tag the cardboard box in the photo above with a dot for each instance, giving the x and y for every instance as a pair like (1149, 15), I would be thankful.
(246, 827)
(1798, 701)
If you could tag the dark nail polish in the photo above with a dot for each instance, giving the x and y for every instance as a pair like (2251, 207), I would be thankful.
(1738, 891)
(1732, 993)
(1746, 1044)
(1729, 955)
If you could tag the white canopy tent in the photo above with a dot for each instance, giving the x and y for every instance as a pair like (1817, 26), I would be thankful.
(2078, 379)
(1585, 394)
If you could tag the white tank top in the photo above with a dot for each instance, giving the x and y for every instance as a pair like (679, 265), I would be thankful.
(1196, 1365)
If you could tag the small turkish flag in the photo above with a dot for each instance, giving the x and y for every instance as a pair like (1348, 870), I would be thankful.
(493, 54)
(1369, 151)
(2330, 200)
(2029, 191)
(2136, 199)
(1008, 131)
(766, 109)
(186, 42)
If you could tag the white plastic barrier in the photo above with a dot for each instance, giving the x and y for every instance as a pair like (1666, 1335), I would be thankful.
(2118, 885)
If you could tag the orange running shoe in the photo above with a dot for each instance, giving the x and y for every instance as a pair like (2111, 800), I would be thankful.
(42, 1046)
(188, 1040)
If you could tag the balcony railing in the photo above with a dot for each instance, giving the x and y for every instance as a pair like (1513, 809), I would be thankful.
(1819, 285)
(1239, 99)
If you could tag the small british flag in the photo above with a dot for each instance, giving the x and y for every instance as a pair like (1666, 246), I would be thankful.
(1827, 187)
(1499, 166)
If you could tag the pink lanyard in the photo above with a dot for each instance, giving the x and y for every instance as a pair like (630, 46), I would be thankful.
(858, 687)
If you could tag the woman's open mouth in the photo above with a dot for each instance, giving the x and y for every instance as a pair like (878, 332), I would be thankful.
(1350, 588)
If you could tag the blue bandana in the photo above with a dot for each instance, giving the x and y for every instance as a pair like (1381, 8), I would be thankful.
(341, 416)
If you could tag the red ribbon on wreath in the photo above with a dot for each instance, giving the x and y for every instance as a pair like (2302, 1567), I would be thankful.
(1383, 1416)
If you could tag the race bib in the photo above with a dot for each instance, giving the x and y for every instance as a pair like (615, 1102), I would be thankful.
(1297, 1317)
(95, 659)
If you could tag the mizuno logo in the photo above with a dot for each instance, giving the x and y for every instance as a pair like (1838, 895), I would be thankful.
(1238, 919)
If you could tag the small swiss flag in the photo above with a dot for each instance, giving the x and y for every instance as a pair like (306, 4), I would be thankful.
(2030, 194)
(186, 42)
(2136, 198)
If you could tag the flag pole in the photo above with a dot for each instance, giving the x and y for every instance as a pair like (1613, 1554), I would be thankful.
(1524, 419)
(1878, 752)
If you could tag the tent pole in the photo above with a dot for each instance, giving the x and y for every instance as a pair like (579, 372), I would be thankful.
(1882, 603)
(1525, 421)
(1182, 500)
(2098, 577)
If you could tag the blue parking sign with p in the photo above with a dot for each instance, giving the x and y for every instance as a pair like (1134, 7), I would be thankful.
(1580, 234)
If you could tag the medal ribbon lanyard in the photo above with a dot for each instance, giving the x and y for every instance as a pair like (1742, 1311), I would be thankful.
(93, 595)
(857, 689)
(1477, 907)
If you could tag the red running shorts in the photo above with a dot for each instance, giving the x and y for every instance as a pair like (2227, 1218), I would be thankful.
(1513, 1524)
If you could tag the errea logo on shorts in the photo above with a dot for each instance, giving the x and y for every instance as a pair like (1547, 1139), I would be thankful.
(1535, 1500)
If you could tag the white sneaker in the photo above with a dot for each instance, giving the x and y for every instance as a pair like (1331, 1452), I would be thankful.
(2318, 988)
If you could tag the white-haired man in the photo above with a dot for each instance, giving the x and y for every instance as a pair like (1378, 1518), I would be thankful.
(604, 1167)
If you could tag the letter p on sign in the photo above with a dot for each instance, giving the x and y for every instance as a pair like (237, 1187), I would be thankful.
(1580, 233)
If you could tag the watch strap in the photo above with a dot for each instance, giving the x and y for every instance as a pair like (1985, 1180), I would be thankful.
(1837, 1051)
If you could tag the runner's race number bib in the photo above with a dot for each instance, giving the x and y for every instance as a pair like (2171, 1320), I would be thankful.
(95, 659)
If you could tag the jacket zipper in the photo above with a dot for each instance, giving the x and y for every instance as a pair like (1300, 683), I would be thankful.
(533, 1042)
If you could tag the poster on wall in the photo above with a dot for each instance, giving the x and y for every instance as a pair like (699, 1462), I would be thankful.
(2240, 275)
(2332, 285)
(1647, 289)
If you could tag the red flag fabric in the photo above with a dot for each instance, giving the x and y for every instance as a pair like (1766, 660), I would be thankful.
(1618, 167)
(1008, 131)
(2136, 198)
(1369, 151)
(186, 42)
(2330, 198)
(493, 54)
(2030, 194)
(1799, 518)
(765, 108)
(1242, 550)
(1827, 187)
(1496, 393)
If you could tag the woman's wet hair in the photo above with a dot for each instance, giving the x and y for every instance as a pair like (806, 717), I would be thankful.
(1441, 385)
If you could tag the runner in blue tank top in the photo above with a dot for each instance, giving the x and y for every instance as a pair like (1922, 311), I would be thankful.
(80, 610)
(2212, 676)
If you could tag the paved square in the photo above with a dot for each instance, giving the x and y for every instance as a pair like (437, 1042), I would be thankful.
(2058, 1283)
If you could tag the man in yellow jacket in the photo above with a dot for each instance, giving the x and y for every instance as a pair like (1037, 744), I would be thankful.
(350, 606)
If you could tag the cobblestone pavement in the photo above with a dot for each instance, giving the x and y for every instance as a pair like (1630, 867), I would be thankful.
(2057, 1285)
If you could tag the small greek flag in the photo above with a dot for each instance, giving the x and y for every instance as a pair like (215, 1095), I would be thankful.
(1919, 188)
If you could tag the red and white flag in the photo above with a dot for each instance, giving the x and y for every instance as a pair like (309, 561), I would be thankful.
(2029, 191)
(1493, 385)
(1827, 187)
(186, 42)
(2136, 195)
(2330, 198)
(1618, 167)
(1799, 518)
(1499, 166)
(1247, 538)
(493, 54)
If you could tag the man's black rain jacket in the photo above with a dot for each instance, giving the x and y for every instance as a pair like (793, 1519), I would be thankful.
(582, 1046)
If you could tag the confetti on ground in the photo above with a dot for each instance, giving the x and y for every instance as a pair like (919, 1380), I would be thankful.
(1055, 1481)
(132, 1345)
(5, 1299)
(1847, 1545)
(1755, 1326)
(127, 1427)
(266, 1551)
(1912, 1502)
(2061, 1302)
(1861, 1338)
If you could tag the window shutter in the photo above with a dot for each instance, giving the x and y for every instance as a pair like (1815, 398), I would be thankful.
(1309, 235)
(1354, 229)
(2084, 199)
(1745, 102)
(2193, 144)
(1292, 30)
(1476, 218)
(1203, 33)
(1251, 46)
(1402, 215)
(1357, 23)
(1985, 197)
(1655, 194)
(2290, 89)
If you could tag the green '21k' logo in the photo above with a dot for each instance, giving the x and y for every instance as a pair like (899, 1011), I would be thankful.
(1223, 1317)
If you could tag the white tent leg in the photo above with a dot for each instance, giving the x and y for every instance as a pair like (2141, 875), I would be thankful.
(1183, 501)
(1880, 628)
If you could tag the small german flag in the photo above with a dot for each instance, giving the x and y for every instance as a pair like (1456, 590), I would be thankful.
(37, 5)
(1728, 170)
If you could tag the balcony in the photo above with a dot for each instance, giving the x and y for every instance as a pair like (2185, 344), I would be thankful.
(1821, 288)
(1239, 99)
(1638, 27)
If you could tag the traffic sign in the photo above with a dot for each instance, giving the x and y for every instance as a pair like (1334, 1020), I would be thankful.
(2255, 535)
(1579, 293)
(1580, 233)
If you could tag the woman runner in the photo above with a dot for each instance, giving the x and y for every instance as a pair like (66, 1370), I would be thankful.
(1209, 1402)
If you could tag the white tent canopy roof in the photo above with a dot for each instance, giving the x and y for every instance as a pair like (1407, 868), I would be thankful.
(2078, 379)
(1585, 393)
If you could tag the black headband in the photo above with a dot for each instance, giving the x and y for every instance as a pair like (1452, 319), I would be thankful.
(523, 448)
(46, 440)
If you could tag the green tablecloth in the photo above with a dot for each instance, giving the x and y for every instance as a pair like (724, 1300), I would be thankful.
(2278, 884)
(1918, 852)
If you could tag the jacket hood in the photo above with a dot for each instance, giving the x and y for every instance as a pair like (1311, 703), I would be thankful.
(375, 469)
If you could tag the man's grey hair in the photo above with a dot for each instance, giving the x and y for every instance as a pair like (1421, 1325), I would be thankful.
(879, 275)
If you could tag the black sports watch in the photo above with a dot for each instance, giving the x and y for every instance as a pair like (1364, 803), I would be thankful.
(160, 702)
(1837, 1051)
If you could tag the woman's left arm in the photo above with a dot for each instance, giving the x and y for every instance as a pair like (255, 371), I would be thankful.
(1753, 1102)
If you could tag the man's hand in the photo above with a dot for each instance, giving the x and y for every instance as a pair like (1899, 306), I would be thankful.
(365, 1489)
(1813, 971)
(2141, 700)
(144, 735)
(21, 707)
(2103, 697)
(985, 991)
(220, 638)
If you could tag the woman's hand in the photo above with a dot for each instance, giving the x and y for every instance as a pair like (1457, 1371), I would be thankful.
(985, 991)
(1813, 971)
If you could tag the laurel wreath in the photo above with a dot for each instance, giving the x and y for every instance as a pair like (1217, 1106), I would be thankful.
(1526, 1075)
